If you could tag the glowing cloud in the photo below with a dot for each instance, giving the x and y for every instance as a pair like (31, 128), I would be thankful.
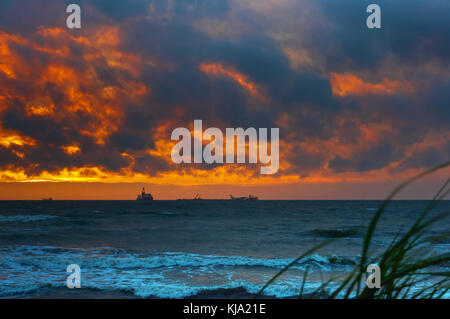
(218, 69)
(348, 84)
(71, 149)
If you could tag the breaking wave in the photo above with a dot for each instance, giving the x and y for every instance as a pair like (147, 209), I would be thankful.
(25, 269)
(118, 258)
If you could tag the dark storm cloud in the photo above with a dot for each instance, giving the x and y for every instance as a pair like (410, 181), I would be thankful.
(162, 32)
(25, 15)
(411, 30)
(437, 100)
(429, 157)
(373, 158)
(6, 156)
(258, 57)
(51, 136)
(117, 10)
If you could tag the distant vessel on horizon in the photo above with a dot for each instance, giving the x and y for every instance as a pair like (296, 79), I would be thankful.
(47, 199)
(250, 197)
(196, 197)
(144, 196)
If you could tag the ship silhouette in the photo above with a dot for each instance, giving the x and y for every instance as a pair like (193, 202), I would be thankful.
(144, 196)
(250, 197)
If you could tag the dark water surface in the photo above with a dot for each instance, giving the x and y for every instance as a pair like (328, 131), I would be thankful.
(180, 248)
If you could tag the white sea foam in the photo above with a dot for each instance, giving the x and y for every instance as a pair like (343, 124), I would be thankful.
(24, 269)
(113, 258)
(167, 275)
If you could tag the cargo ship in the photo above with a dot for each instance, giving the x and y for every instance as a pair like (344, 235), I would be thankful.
(144, 196)
(250, 197)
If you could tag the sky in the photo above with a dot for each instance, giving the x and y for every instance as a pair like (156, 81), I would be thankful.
(88, 113)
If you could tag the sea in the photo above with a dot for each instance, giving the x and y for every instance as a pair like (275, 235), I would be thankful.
(192, 248)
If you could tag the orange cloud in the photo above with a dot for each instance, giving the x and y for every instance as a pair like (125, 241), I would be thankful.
(218, 69)
(71, 149)
(102, 104)
(13, 139)
(348, 84)
(83, 90)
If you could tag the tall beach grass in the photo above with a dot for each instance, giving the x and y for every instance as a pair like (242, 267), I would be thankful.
(407, 266)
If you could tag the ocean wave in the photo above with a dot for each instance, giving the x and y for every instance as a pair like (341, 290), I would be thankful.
(161, 274)
(34, 270)
(440, 239)
(283, 289)
(232, 290)
(120, 259)
(336, 233)
(161, 289)
(26, 218)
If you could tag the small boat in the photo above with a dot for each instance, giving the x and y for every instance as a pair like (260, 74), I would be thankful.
(47, 199)
(196, 197)
(144, 196)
